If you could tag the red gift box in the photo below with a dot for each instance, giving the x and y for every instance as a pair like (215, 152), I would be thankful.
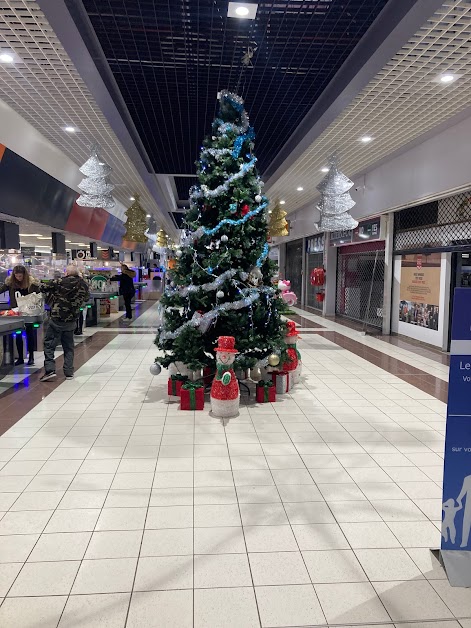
(175, 383)
(192, 396)
(265, 392)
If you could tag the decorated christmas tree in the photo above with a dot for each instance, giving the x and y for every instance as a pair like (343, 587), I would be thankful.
(336, 201)
(222, 284)
(96, 187)
(277, 225)
(136, 222)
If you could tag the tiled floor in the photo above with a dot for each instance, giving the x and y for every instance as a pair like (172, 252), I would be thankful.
(117, 509)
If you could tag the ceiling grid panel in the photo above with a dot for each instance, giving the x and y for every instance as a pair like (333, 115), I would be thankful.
(403, 102)
(44, 87)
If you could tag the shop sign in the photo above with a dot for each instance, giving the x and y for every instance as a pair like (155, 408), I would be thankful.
(456, 503)
(344, 236)
(420, 290)
(98, 282)
(27, 251)
(367, 230)
(315, 244)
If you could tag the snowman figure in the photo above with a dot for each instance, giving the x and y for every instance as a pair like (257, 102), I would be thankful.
(293, 364)
(225, 393)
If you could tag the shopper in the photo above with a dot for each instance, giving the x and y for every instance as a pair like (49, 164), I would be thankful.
(126, 287)
(21, 281)
(68, 296)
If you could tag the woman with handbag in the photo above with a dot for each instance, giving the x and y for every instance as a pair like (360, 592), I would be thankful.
(21, 281)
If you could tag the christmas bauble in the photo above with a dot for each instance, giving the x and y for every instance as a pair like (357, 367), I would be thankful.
(255, 276)
(258, 198)
(273, 359)
(255, 374)
(224, 238)
(179, 253)
(155, 368)
(220, 294)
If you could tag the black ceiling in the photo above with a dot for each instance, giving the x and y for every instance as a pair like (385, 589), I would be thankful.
(171, 57)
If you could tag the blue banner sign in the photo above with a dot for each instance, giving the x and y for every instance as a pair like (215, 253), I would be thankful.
(456, 504)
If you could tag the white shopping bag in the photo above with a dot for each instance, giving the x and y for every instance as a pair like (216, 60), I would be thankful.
(31, 304)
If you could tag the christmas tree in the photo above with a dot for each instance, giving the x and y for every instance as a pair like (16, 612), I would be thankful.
(136, 222)
(336, 201)
(277, 225)
(222, 284)
(96, 187)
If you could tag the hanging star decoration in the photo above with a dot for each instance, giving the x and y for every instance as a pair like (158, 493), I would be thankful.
(336, 201)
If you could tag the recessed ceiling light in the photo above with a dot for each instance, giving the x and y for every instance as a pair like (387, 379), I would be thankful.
(366, 139)
(6, 58)
(242, 10)
(148, 216)
(70, 129)
(282, 202)
(325, 169)
(300, 189)
(131, 198)
(447, 78)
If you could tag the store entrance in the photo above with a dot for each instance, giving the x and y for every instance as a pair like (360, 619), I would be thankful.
(460, 278)
(294, 267)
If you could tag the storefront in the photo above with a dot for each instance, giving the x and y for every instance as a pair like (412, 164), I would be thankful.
(314, 295)
(360, 273)
(294, 266)
(432, 249)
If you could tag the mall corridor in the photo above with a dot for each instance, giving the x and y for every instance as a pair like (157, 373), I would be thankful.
(118, 509)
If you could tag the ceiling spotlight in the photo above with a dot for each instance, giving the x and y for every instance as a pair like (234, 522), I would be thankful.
(148, 216)
(447, 78)
(244, 10)
(6, 58)
(131, 198)
(366, 139)
(325, 169)
(300, 189)
(282, 202)
(70, 129)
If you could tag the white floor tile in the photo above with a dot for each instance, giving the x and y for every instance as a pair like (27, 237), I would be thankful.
(155, 609)
(27, 612)
(108, 610)
(278, 568)
(226, 608)
(48, 578)
(289, 605)
(114, 575)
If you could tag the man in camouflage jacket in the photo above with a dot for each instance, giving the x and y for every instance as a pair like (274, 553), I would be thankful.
(66, 296)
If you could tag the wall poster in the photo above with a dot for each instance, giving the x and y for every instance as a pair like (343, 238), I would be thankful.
(420, 290)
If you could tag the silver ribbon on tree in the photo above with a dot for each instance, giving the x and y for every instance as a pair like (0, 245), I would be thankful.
(336, 201)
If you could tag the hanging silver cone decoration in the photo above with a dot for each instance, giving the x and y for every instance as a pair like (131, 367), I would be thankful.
(336, 201)
(96, 188)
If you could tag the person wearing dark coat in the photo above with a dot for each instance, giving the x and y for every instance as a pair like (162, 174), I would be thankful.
(21, 281)
(126, 287)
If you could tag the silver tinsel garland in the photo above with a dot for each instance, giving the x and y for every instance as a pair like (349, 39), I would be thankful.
(203, 321)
